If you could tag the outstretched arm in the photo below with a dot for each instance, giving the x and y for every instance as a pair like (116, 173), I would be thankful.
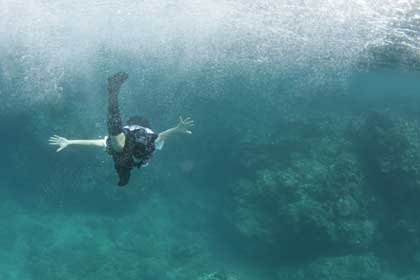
(62, 142)
(183, 127)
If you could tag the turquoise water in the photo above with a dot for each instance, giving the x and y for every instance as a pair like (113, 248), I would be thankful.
(304, 162)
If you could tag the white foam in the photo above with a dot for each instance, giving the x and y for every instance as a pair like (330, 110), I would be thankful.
(49, 39)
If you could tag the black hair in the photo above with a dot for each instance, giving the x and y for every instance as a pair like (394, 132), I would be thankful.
(138, 120)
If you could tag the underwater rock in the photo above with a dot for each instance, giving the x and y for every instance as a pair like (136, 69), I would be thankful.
(332, 268)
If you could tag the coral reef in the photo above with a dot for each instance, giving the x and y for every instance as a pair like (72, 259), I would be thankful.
(389, 151)
(315, 201)
(352, 190)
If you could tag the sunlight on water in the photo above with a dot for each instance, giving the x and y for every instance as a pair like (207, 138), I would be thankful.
(50, 39)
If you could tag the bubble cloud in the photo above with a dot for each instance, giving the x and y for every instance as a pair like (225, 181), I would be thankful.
(47, 39)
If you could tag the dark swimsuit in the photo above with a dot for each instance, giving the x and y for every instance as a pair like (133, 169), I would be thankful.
(139, 141)
(138, 149)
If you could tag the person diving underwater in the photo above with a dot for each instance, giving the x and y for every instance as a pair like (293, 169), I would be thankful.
(131, 145)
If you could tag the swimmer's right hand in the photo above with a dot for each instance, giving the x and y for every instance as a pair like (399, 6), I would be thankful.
(59, 141)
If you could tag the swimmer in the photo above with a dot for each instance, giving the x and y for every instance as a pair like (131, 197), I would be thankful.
(131, 145)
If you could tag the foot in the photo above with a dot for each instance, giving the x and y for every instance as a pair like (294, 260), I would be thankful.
(116, 80)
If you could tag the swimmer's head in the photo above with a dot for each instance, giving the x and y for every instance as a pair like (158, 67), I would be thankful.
(138, 120)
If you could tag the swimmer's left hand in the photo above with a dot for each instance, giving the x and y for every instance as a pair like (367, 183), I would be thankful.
(185, 125)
